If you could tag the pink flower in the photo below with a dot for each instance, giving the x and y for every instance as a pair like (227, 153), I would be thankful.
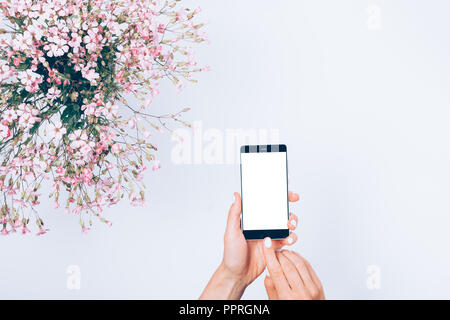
(9, 115)
(89, 109)
(86, 149)
(17, 223)
(60, 170)
(115, 148)
(57, 47)
(132, 123)
(53, 93)
(90, 75)
(56, 130)
(110, 111)
(156, 165)
(75, 42)
(77, 210)
(78, 138)
(27, 115)
(25, 230)
(5, 71)
(4, 231)
(5, 132)
(34, 31)
(41, 231)
(22, 42)
(147, 134)
(87, 174)
(30, 80)
(16, 62)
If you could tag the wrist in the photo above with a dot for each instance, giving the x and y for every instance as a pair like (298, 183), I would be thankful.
(224, 285)
(231, 277)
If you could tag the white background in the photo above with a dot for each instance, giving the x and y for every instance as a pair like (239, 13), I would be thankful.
(264, 193)
(365, 116)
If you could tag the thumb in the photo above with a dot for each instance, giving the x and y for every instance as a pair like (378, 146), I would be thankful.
(234, 215)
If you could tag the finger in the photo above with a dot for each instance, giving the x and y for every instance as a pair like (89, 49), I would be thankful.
(303, 272)
(234, 215)
(314, 276)
(291, 273)
(270, 289)
(293, 221)
(277, 244)
(293, 197)
(274, 268)
(288, 241)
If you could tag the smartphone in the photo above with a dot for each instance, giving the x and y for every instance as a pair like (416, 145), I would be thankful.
(264, 191)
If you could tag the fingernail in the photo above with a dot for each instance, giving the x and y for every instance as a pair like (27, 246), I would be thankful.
(268, 242)
(290, 240)
(294, 223)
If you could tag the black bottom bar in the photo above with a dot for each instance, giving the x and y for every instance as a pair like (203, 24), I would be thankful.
(261, 234)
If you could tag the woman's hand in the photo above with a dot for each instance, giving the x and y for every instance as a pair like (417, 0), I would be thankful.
(291, 276)
(243, 261)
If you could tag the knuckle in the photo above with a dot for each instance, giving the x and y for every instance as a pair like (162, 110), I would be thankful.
(315, 293)
(304, 295)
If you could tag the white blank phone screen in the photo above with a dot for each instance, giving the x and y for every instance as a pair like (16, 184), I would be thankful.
(264, 190)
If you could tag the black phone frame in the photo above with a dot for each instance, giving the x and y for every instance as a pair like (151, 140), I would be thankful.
(272, 233)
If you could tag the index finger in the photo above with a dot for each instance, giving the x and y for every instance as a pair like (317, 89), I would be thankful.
(275, 270)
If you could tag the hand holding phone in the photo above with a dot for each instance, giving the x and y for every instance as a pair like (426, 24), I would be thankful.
(243, 261)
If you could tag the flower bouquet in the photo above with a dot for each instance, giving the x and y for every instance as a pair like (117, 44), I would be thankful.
(68, 70)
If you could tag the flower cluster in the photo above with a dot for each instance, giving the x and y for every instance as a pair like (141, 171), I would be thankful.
(68, 69)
